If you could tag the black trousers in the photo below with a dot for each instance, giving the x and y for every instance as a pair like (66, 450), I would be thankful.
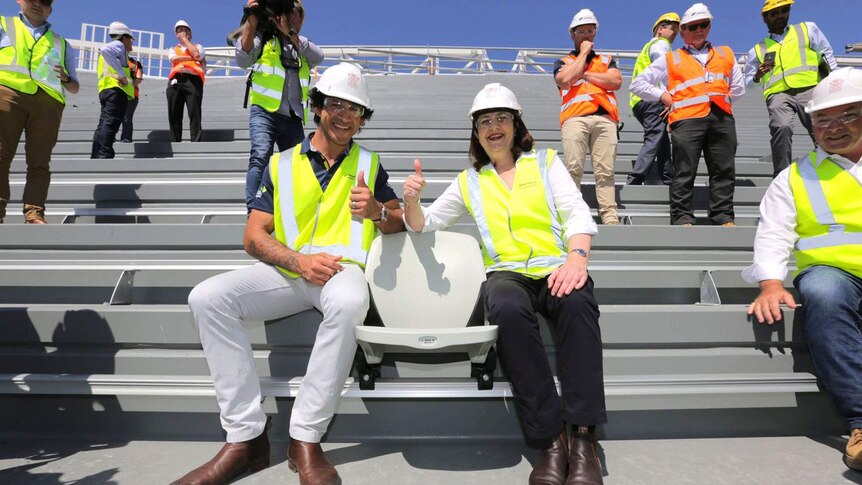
(715, 137)
(114, 102)
(188, 91)
(128, 121)
(655, 151)
(512, 301)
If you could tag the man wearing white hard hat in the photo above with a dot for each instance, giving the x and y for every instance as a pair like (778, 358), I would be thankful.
(186, 82)
(319, 206)
(281, 69)
(655, 151)
(814, 210)
(701, 80)
(533, 266)
(786, 64)
(37, 68)
(589, 114)
(115, 88)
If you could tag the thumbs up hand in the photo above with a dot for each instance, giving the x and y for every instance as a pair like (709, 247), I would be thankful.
(414, 184)
(362, 201)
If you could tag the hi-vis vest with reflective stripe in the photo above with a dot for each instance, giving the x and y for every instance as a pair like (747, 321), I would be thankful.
(695, 86)
(25, 65)
(189, 66)
(642, 62)
(310, 220)
(267, 79)
(520, 228)
(828, 215)
(584, 98)
(795, 61)
(109, 82)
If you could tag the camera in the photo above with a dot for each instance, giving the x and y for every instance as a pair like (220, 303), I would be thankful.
(264, 11)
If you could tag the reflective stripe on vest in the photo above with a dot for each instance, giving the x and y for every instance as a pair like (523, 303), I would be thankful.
(694, 86)
(310, 220)
(268, 78)
(531, 202)
(109, 82)
(28, 64)
(642, 62)
(828, 202)
(189, 66)
(584, 98)
(795, 62)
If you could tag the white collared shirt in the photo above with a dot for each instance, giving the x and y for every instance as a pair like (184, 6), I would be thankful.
(648, 83)
(449, 207)
(776, 232)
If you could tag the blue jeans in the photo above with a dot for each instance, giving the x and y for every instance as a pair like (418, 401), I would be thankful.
(266, 129)
(832, 315)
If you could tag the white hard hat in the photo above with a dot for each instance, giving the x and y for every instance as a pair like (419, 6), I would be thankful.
(841, 86)
(698, 11)
(495, 95)
(345, 81)
(182, 23)
(119, 28)
(583, 17)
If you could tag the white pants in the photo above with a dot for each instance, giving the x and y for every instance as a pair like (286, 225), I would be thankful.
(260, 292)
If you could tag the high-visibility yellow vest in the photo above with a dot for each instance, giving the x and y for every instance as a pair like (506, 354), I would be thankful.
(310, 220)
(828, 215)
(642, 62)
(267, 79)
(520, 228)
(28, 64)
(795, 61)
(110, 82)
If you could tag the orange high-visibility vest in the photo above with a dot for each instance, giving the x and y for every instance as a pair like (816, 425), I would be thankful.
(584, 98)
(190, 66)
(695, 86)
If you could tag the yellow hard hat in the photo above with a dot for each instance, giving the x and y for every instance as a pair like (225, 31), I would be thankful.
(771, 4)
(668, 17)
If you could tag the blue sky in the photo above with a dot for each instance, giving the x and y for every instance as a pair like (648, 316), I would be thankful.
(624, 24)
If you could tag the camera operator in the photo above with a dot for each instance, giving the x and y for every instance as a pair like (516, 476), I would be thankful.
(282, 61)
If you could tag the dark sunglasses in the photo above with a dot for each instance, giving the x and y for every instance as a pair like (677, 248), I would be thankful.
(778, 11)
(692, 27)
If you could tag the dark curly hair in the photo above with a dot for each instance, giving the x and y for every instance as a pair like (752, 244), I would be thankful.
(316, 99)
(523, 139)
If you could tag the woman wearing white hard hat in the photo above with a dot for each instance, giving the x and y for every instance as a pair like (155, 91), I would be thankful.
(535, 233)
(185, 82)
(814, 208)
(115, 88)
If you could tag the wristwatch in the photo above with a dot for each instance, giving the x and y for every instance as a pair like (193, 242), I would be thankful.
(384, 214)
(579, 252)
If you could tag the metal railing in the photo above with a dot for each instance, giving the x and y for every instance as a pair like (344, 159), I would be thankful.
(378, 60)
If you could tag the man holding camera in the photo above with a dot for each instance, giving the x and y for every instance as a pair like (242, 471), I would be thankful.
(786, 63)
(281, 62)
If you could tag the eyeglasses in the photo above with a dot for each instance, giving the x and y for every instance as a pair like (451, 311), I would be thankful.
(337, 106)
(692, 27)
(778, 11)
(45, 3)
(584, 31)
(844, 118)
(499, 119)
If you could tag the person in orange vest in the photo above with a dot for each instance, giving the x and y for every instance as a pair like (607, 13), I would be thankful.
(701, 81)
(589, 114)
(128, 128)
(186, 82)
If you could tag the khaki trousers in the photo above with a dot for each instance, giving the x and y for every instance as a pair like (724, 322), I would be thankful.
(597, 134)
(38, 116)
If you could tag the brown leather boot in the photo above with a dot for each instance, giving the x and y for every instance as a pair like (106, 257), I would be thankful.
(308, 460)
(231, 461)
(33, 214)
(584, 465)
(552, 466)
(853, 452)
